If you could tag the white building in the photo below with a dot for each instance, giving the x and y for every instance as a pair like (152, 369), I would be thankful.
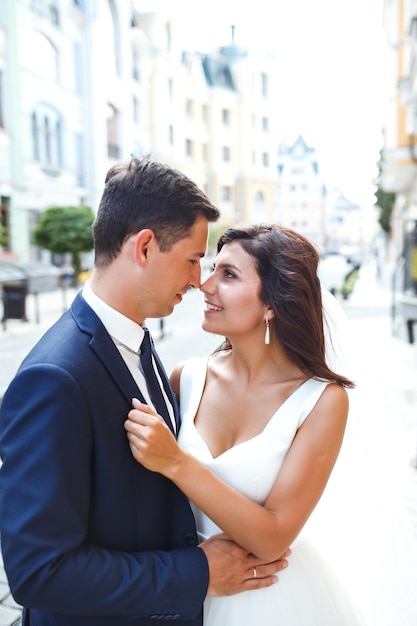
(301, 196)
(84, 83)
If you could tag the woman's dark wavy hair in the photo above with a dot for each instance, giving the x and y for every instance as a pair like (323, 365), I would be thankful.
(287, 266)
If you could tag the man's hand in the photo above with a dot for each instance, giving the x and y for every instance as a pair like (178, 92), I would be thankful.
(232, 569)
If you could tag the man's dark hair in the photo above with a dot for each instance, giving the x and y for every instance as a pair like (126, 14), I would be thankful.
(143, 193)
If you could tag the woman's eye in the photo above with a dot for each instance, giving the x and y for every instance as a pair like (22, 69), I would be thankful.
(229, 274)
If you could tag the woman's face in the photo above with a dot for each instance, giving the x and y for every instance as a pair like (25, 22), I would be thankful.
(231, 294)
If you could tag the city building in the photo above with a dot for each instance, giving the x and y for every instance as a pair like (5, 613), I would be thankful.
(301, 192)
(399, 160)
(399, 157)
(84, 84)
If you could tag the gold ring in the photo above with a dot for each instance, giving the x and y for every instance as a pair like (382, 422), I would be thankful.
(254, 572)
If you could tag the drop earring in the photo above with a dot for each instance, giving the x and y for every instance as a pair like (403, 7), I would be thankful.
(267, 336)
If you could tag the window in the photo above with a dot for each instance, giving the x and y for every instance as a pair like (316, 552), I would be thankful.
(264, 84)
(265, 159)
(168, 36)
(170, 88)
(79, 159)
(135, 64)
(226, 153)
(188, 106)
(226, 193)
(265, 124)
(258, 206)
(226, 116)
(171, 135)
(46, 135)
(189, 147)
(113, 148)
(136, 110)
(204, 113)
(78, 68)
(204, 149)
(47, 9)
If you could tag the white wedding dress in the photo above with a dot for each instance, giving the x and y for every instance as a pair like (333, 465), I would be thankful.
(308, 593)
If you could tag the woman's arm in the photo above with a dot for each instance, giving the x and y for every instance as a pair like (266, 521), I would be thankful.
(268, 530)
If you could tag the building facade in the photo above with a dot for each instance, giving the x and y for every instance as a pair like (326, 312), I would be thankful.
(399, 163)
(301, 192)
(85, 83)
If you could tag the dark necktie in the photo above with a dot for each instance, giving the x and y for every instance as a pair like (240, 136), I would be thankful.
(152, 382)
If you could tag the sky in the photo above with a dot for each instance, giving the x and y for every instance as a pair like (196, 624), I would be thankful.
(332, 59)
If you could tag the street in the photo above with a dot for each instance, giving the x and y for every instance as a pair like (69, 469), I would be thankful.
(382, 363)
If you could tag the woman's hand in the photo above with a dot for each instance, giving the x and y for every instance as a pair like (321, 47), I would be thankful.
(150, 440)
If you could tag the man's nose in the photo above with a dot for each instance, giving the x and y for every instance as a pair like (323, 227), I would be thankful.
(196, 276)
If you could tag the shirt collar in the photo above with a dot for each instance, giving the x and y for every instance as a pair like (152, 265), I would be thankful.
(119, 327)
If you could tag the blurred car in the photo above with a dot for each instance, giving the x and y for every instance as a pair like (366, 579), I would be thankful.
(9, 273)
(333, 270)
(37, 276)
(353, 255)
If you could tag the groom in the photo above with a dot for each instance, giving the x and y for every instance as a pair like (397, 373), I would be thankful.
(90, 537)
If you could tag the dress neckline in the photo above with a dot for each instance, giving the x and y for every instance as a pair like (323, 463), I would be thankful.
(247, 441)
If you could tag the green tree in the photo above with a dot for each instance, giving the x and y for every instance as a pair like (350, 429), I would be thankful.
(385, 200)
(64, 229)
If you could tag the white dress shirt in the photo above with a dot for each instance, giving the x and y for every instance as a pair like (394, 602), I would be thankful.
(127, 336)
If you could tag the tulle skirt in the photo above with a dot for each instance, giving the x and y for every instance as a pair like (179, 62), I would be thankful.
(307, 594)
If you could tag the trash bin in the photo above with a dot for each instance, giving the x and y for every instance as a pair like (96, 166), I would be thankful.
(14, 301)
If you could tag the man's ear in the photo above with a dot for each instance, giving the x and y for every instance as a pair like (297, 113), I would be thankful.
(144, 242)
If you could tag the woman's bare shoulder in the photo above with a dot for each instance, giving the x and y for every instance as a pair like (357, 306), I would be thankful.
(175, 376)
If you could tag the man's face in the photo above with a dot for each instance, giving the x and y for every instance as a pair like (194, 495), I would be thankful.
(172, 273)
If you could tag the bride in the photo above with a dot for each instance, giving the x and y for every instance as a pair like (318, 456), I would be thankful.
(263, 421)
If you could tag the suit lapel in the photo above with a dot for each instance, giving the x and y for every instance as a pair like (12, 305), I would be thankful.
(103, 346)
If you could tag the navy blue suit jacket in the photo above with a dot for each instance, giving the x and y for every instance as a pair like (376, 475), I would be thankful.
(89, 536)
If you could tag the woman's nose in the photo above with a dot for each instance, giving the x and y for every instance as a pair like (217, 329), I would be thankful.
(205, 285)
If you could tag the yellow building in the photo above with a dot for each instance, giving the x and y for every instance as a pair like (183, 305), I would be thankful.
(399, 166)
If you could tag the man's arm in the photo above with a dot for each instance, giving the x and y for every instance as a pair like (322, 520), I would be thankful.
(233, 570)
(46, 445)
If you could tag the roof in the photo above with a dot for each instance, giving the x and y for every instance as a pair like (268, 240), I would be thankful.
(217, 73)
